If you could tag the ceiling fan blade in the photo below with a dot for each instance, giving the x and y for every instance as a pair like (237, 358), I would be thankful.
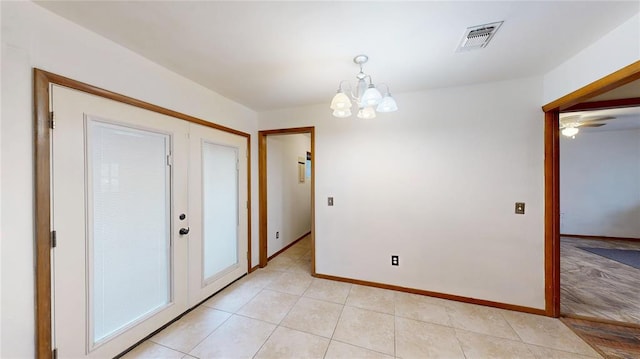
(597, 119)
(593, 125)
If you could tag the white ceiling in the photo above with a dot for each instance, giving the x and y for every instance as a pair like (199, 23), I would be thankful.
(269, 55)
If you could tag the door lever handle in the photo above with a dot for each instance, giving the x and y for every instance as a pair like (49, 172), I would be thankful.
(184, 231)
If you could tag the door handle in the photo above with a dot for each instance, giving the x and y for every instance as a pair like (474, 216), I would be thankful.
(184, 231)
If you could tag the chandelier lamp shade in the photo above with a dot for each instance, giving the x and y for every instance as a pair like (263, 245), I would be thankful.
(367, 96)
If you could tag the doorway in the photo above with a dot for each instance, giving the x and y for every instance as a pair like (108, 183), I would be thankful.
(141, 214)
(552, 170)
(305, 163)
(600, 207)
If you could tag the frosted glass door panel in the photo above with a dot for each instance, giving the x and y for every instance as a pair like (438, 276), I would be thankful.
(129, 225)
(220, 208)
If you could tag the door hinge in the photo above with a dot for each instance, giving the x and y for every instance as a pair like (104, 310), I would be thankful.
(54, 353)
(52, 122)
(54, 239)
(169, 160)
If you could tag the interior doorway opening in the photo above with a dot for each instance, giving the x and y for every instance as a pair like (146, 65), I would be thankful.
(291, 173)
(573, 101)
(600, 207)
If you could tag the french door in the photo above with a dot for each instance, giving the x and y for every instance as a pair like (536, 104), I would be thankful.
(133, 245)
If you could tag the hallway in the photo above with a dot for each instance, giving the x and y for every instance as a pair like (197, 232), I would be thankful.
(282, 312)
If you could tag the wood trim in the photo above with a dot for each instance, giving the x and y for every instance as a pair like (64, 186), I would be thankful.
(42, 81)
(552, 213)
(605, 105)
(457, 298)
(81, 86)
(249, 268)
(552, 110)
(253, 269)
(601, 320)
(42, 173)
(600, 237)
(262, 185)
(262, 198)
(621, 77)
(288, 246)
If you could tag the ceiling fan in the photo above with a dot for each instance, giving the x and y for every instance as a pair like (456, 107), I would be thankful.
(569, 124)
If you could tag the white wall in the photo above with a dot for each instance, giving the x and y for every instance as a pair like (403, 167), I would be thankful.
(289, 201)
(434, 183)
(34, 37)
(615, 50)
(600, 184)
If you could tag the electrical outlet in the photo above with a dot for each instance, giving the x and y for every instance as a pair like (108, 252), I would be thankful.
(277, 235)
(519, 207)
(395, 260)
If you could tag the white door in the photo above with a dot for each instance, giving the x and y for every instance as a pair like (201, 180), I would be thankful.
(218, 204)
(121, 267)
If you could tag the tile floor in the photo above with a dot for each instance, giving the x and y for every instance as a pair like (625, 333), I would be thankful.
(283, 312)
(595, 286)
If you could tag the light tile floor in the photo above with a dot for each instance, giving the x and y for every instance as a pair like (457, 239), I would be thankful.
(282, 312)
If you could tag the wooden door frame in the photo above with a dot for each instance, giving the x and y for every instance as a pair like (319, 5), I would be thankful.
(262, 189)
(42, 82)
(573, 101)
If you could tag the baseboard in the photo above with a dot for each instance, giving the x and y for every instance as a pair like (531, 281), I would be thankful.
(288, 246)
(600, 320)
(457, 298)
(253, 268)
(599, 237)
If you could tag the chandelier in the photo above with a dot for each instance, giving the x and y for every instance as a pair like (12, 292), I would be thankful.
(367, 97)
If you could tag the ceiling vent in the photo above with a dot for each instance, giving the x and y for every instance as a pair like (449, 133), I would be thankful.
(477, 37)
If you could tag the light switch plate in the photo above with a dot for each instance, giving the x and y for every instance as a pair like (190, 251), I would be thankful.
(330, 201)
(519, 207)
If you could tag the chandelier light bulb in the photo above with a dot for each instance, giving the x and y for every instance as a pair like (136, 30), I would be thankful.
(340, 101)
(388, 104)
(342, 113)
(570, 131)
(371, 96)
(366, 113)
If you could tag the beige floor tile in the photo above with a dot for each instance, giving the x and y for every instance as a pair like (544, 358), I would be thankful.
(481, 346)
(188, 331)
(150, 350)
(328, 290)
(233, 297)
(547, 332)
(419, 307)
(238, 337)
(547, 353)
(370, 298)
(300, 266)
(260, 277)
(292, 283)
(313, 316)
(338, 350)
(288, 343)
(294, 252)
(187, 356)
(280, 263)
(415, 339)
(270, 306)
(365, 328)
(480, 319)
